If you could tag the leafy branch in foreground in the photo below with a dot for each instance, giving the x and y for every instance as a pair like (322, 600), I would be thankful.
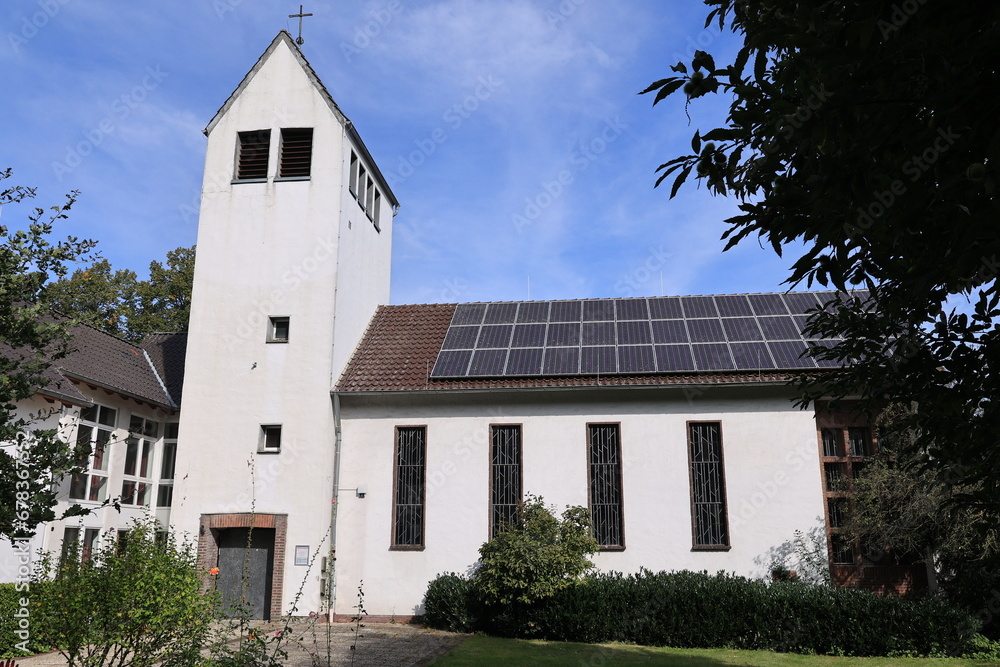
(867, 134)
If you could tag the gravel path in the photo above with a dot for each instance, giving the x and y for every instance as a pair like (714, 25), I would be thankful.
(380, 644)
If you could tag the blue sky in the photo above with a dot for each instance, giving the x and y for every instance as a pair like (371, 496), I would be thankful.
(512, 133)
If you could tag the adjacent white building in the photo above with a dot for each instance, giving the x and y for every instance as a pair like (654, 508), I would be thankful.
(343, 440)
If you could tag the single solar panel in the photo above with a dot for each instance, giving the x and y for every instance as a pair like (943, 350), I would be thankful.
(752, 356)
(742, 329)
(528, 335)
(595, 360)
(561, 361)
(460, 338)
(706, 331)
(790, 354)
(501, 313)
(468, 313)
(533, 311)
(598, 333)
(495, 335)
(565, 311)
(800, 302)
(733, 305)
(779, 328)
(636, 359)
(665, 308)
(669, 331)
(699, 306)
(488, 362)
(563, 334)
(768, 304)
(631, 309)
(452, 364)
(524, 361)
(712, 357)
(634, 333)
(599, 310)
(673, 358)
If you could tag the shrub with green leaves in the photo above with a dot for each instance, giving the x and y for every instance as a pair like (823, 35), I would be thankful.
(450, 603)
(536, 555)
(10, 607)
(135, 601)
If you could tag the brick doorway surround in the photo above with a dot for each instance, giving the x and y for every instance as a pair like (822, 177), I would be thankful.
(209, 531)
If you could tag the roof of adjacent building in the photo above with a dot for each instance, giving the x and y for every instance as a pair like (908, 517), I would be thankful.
(401, 346)
(152, 372)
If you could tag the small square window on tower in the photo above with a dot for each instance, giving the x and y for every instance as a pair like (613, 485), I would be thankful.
(296, 152)
(277, 330)
(270, 439)
(251, 162)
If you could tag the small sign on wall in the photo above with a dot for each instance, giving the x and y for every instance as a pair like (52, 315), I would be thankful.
(302, 554)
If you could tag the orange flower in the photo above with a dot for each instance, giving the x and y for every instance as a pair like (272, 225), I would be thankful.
(214, 570)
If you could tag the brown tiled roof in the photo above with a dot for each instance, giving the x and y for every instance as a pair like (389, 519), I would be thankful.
(112, 363)
(167, 352)
(402, 343)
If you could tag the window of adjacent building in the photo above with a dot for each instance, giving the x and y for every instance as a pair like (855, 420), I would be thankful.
(505, 476)
(296, 152)
(165, 490)
(71, 538)
(844, 450)
(253, 150)
(408, 494)
(708, 486)
(93, 435)
(90, 536)
(277, 329)
(137, 481)
(270, 439)
(605, 459)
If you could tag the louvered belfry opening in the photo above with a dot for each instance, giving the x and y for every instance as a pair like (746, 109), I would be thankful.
(296, 152)
(254, 147)
(506, 477)
(708, 493)
(606, 485)
(408, 522)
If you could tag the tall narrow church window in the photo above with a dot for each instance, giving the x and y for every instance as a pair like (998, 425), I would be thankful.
(296, 152)
(408, 495)
(505, 476)
(708, 486)
(251, 163)
(93, 433)
(605, 453)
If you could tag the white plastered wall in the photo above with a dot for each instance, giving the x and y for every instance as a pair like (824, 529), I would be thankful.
(771, 466)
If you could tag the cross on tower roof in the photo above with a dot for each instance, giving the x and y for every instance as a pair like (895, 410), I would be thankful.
(299, 16)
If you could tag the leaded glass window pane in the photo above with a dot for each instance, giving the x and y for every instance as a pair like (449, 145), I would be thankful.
(708, 495)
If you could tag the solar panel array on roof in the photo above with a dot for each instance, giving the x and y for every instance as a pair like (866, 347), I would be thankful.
(732, 332)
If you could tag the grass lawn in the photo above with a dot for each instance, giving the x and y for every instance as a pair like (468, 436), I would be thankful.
(480, 650)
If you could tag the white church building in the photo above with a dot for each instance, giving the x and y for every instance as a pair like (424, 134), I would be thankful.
(348, 441)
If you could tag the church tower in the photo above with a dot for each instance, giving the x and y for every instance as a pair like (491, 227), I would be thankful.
(294, 241)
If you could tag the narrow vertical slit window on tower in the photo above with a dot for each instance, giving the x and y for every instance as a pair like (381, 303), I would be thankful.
(708, 486)
(369, 198)
(408, 494)
(353, 185)
(296, 152)
(362, 177)
(376, 209)
(505, 477)
(251, 163)
(605, 453)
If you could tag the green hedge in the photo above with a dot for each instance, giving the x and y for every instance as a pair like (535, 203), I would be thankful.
(698, 610)
(10, 605)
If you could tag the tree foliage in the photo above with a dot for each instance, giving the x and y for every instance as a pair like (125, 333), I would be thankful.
(117, 302)
(30, 341)
(865, 130)
(536, 555)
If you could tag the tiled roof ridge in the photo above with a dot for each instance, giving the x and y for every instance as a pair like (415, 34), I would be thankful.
(621, 298)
